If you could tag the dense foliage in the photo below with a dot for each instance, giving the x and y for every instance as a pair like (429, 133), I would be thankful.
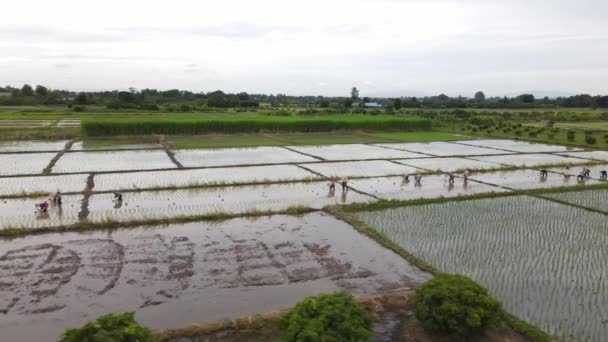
(327, 317)
(253, 124)
(456, 305)
(120, 327)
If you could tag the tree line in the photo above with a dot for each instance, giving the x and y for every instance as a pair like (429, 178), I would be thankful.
(183, 100)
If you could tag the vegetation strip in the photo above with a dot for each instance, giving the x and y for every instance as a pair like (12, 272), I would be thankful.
(85, 225)
(49, 168)
(523, 327)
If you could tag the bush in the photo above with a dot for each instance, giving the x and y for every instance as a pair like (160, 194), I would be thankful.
(456, 305)
(518, 133)
(590, 140)
(79, 108)
(570, 135)
(119, 327)
(327, 317)
(533, 134)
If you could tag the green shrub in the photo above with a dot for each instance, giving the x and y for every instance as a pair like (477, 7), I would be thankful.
(518, 133)
(79, 108)
(570, 135)
(551, 136)
(119, 327)
(590, 140)
(456, 305)
(533, 134)
(326, 317)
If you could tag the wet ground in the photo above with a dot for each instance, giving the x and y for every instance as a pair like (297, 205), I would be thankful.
(175, 275)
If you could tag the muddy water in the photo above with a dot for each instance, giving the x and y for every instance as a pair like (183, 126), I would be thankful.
(21, 213)
(597, 155)
(113, 161)
(24, 164)
(237, 199)
(532, 160)
(450, 164)
(239, 156)
(50, 184)
(176, 275)
(431, 186)
(518, 146)
(361, 168)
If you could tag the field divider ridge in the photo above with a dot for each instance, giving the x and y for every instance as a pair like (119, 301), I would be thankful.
(49, 168)
(302, 153)
(401, 149)
(86, 195)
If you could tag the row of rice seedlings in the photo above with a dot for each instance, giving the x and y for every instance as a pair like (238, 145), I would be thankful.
(124, 126)
(595, 199)
(543, 260)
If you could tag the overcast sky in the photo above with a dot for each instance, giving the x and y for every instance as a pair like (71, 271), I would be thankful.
(309, 47)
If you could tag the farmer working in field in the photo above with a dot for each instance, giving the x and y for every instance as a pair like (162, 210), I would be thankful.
(603, 174)
(344, 183)
(451, 177)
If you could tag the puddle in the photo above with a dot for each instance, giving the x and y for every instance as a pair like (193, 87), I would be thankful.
(176, 275)
(530, 179)
(518, 146)
(431, 186)
(24, 164)
(450, 164)
(354, 152)
(239, 156)
(444, 149)
(238, 199)
(361, 169)
(531, 160)
(32, 146)
(49, 184)
(172, 178)
(21, 213)
(112, 161)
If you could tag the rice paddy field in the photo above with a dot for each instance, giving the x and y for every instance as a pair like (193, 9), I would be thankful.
(543, 260)
(444, 149)
(541, 255)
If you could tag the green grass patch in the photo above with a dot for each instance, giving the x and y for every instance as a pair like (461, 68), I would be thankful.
(230, 125)
(420, 136)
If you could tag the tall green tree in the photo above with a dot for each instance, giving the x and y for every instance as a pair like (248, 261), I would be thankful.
(480, 96)
(27, 90)
(42, 91)
(354, 93)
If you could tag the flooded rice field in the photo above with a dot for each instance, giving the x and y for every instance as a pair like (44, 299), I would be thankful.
(450, 164)
(113, 161)
(596, 155)
(532, 160)
(204, 201)
(32, 146)
(214, 176)
(369, 168)
(355, 152)
(239, 156)
(530, 179)
(38, 184)
(21, 213)
(24, 164)
(522, 249)
(444, 149)
(595, 199)
(518, 146)
(176, 275)
(431, 186)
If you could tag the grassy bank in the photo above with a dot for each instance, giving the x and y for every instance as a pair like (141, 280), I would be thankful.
(131, 126)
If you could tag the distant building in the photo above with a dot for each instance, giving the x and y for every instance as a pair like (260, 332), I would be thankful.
(5, 94)
(372, 105)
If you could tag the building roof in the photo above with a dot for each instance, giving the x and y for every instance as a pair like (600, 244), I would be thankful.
(372, 104)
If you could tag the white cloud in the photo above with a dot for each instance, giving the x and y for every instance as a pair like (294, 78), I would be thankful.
(386, 47)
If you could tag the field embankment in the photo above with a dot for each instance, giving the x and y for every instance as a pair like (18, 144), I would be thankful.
(132, 126)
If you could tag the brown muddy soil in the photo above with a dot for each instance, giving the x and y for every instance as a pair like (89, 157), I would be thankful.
(177, 275)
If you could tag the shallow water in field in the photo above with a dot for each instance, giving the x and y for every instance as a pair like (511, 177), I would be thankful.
(21, 212)
(530, 179)
(596, 199)
(113, 161)
(532, 160)
(32, 146)
(173, 178)
(48, 184)
(24, 163)
(450, 164)
(238, 199)
(355, 152)
(431, 186)
(444, 149)
(544, 261)
(239, 156)
(176, 275)
(361, 168)
(518, 146)
(597, 155)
